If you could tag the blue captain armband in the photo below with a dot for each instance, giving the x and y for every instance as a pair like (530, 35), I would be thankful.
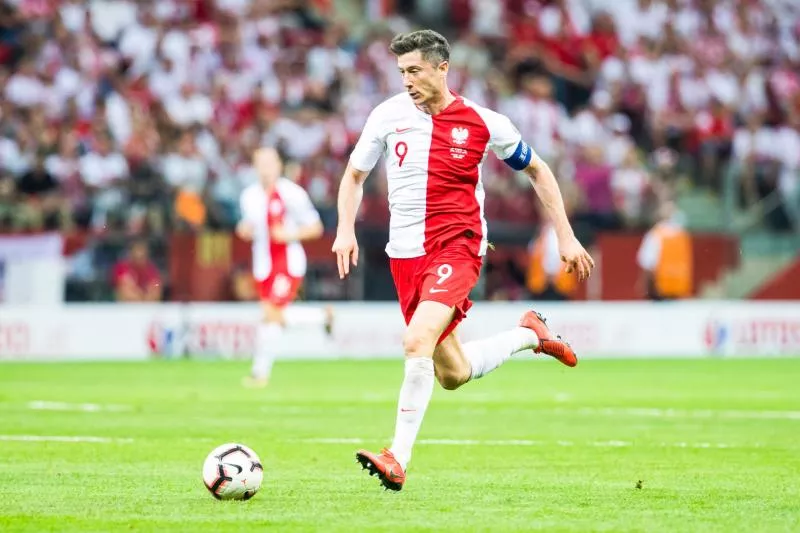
(521, 157)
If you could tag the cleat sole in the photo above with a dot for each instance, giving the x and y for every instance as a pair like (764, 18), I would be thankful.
(366, 464)
(555, 346)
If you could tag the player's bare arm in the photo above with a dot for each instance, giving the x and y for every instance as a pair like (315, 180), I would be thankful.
(351, 189)
(546, 187)
(244, 230)
(308, 232)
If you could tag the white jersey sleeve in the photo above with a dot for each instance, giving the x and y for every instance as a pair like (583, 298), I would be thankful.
(249, 204)
(371, 144)
(299, 207)
(505, 139)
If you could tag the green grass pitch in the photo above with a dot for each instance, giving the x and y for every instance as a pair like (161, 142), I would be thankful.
(644, 445)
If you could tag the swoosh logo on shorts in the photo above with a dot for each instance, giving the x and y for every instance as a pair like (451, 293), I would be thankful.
(434, 290)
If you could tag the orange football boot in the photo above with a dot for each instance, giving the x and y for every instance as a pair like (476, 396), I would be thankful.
(549, 344)
(385, 466)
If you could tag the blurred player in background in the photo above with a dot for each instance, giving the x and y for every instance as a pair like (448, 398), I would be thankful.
(434, 142)
(277, 215)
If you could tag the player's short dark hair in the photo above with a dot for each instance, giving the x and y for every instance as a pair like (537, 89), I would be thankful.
(432, 45)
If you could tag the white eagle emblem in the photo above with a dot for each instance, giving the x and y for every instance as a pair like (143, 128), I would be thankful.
(460, 135)
(275, 208)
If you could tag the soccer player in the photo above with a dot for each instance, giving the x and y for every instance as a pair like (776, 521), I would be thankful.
(277, 215)
(434, 142)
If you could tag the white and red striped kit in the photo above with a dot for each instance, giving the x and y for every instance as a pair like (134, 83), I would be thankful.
(433, 165)
(288, 205)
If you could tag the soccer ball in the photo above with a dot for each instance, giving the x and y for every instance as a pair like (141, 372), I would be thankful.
(232, 472)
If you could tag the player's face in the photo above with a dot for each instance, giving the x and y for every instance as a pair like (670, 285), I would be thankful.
(423, 80)
(139, 253)
(268, 165)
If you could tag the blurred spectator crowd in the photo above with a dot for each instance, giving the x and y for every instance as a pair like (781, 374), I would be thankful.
(141, 116)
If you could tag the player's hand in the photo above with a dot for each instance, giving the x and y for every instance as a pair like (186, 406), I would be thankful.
(279, 234)
(346, 249)
(244, 230)
(576, 257)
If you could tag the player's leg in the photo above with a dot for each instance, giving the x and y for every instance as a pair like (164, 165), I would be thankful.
(268, 338)
(456, 363)
(450, 365)
(419, 342)
(443, 288)
(276, 292)
(425, 324)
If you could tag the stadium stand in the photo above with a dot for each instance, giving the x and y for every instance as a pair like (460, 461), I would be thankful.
(139, 117)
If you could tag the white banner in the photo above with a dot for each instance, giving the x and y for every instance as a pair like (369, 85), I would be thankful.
(641, 329)
(79, 331)
(663, 329)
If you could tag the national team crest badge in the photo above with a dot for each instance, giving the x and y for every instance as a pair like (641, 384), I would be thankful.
(460, 135)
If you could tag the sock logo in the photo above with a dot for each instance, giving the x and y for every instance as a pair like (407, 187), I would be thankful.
(407, 410)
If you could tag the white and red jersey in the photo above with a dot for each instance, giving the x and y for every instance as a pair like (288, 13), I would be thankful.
(433, 166)
(288, 205)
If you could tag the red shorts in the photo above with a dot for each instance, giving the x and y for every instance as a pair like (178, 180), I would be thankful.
(279, 289)
(446, 276)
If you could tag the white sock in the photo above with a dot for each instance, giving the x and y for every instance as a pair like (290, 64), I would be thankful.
(415, 394)
(267, 344)
(304, 316)
(485, 355)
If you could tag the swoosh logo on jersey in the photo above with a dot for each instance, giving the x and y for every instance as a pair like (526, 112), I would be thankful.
(401, 130)
(237, 467)
(434, 290)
